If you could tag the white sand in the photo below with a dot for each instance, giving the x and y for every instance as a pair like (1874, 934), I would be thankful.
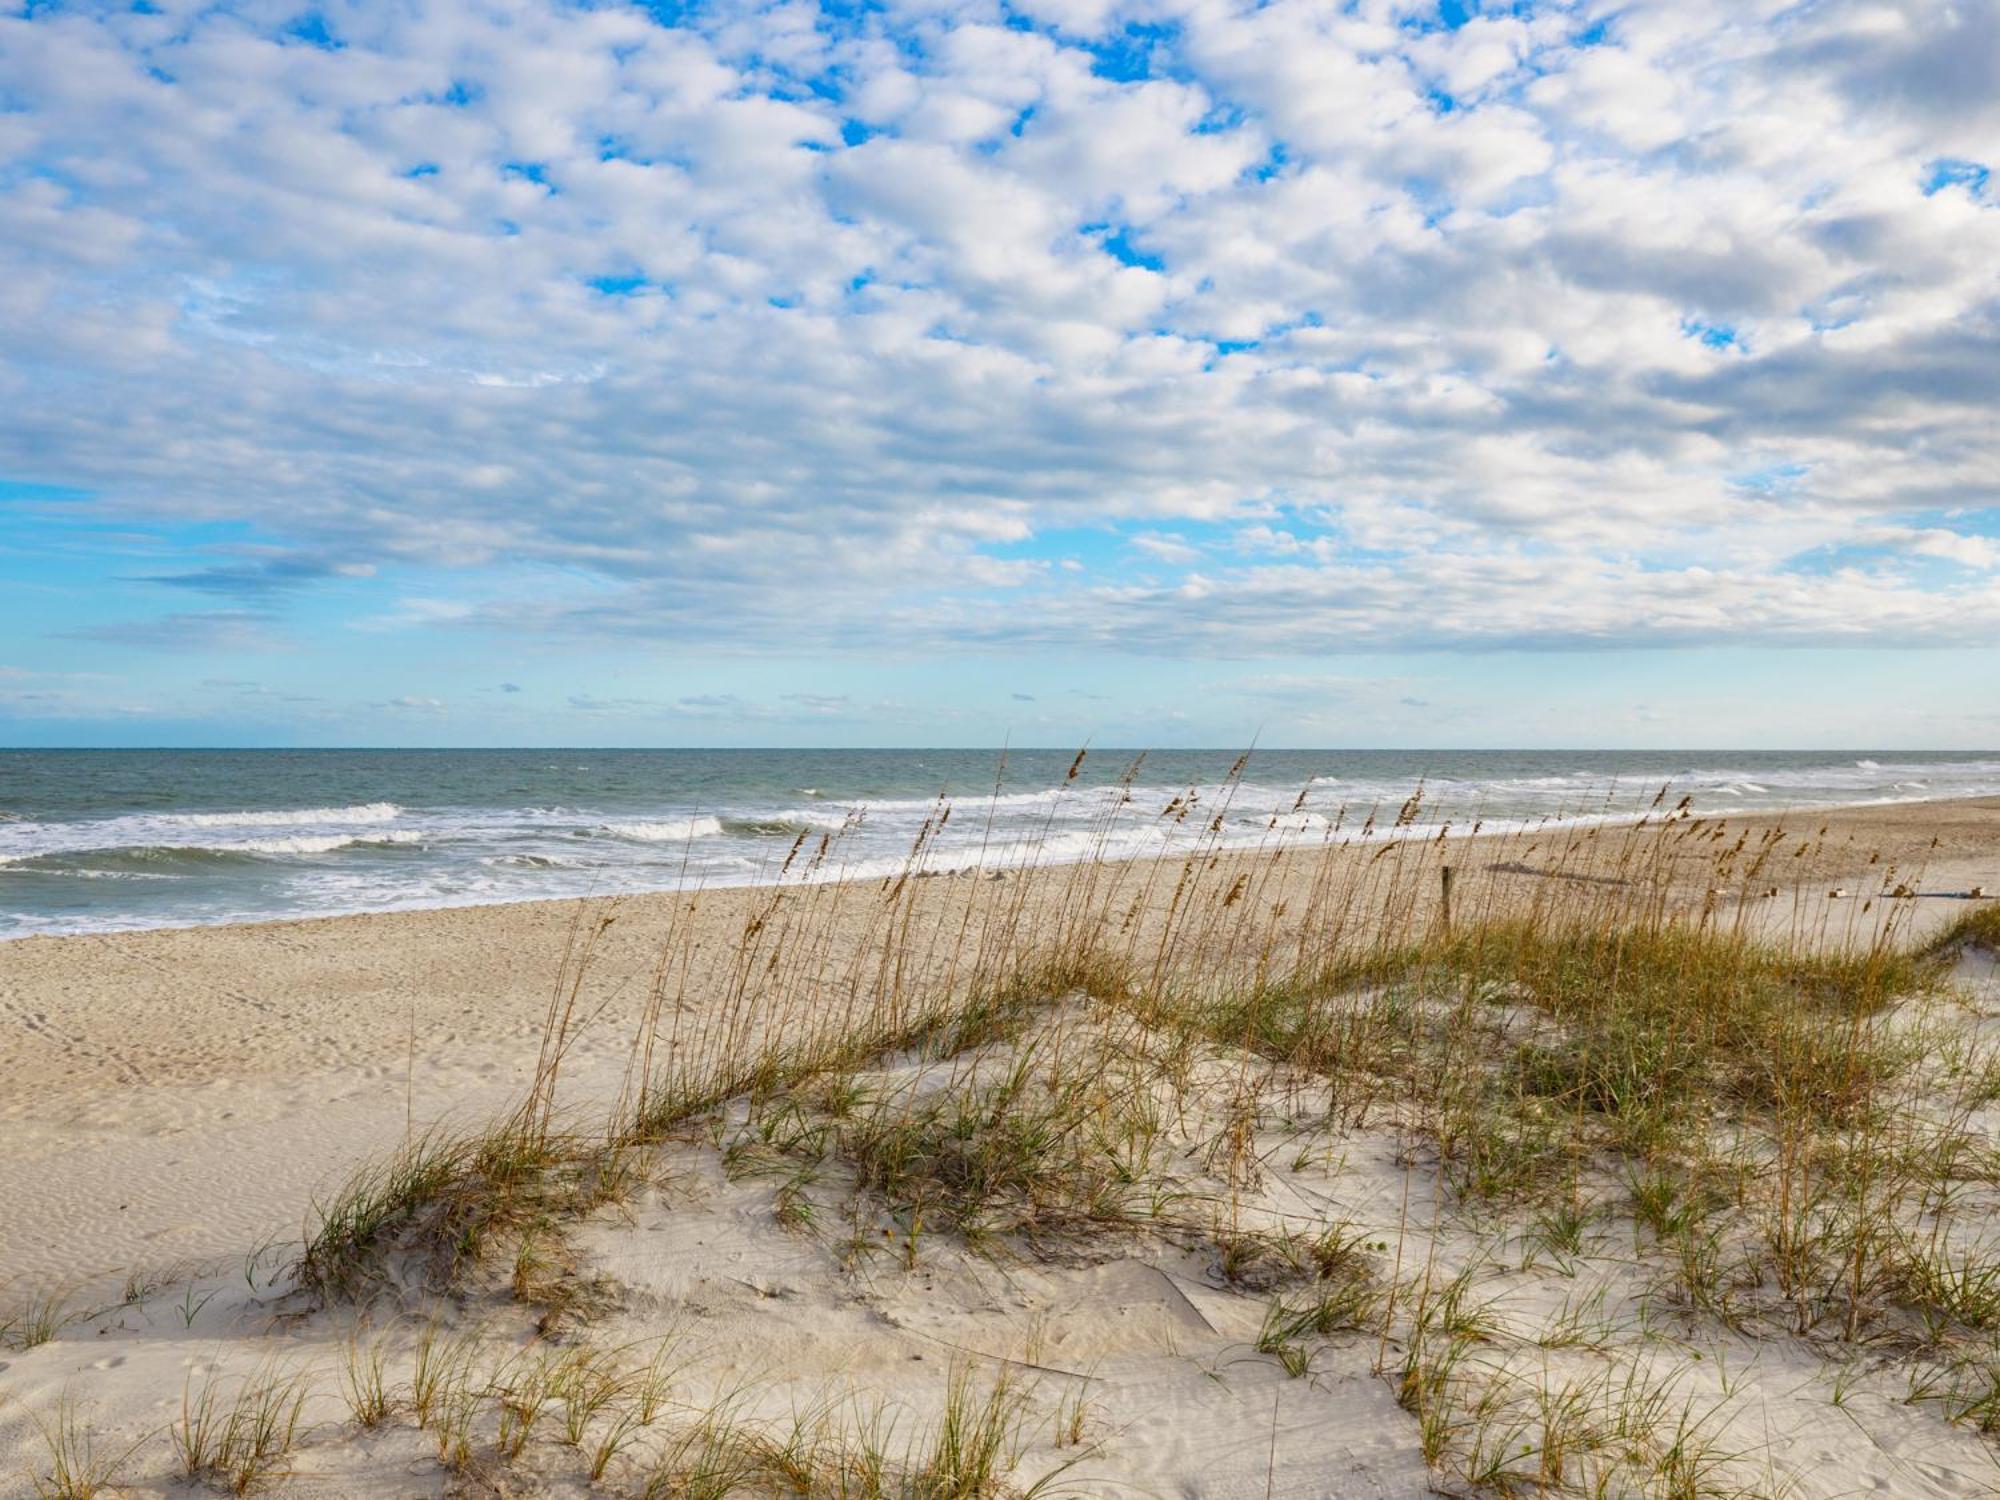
(173, 1102)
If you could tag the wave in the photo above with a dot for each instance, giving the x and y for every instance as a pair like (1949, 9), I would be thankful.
(469, 844)
(362, 812)
(791, 822)
(235, 849)
(319, 843)
(198, 830)
(972, 800)
(668, 831)
(89, 874)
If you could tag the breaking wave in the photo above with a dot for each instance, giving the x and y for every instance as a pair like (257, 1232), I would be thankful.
(362, 812)
(666, 831)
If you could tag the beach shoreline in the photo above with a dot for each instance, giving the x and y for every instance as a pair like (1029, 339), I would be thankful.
(181, 1100)
(971, 865)
(302, 1045)
(103, 843)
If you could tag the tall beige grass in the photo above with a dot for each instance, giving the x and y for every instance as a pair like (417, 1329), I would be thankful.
(1662, 1023)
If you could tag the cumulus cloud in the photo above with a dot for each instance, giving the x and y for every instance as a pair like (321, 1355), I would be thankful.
(1557, 326)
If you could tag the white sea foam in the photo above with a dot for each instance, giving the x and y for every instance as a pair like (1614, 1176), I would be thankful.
(818, 819)
(310, 843)
(295, 843)
(552, 843)
(666, 831)
(293, 817)
(196, 830)
(119, 837)
(531, 862)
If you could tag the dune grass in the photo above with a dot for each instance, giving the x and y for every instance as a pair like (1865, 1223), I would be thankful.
(76, 1466)
(1978, 928)
(38, 1318)
(238, 1434)
(1574, 1038)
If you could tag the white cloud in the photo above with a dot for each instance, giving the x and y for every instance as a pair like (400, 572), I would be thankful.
(1954, 546)
(787, 325)
(1166, 547)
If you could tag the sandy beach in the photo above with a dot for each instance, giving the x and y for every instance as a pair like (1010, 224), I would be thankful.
(174, 1102)
(237, 1067)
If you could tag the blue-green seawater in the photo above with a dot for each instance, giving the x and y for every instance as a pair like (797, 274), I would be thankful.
(99, 840)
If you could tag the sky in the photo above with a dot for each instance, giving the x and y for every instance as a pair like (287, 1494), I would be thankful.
(1398, 372)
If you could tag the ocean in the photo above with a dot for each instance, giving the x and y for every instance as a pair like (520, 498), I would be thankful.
(107, 840)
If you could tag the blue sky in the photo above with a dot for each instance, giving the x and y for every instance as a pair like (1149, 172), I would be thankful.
(1151, 371)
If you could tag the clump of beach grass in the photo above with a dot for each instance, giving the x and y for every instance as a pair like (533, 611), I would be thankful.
(75, 1468)
(238, 1434)
(364, 1381)
(1977, 928)
(38, 1318)
(1592, 1030)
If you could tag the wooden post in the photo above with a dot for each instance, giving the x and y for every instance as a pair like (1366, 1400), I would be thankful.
(1447, 897)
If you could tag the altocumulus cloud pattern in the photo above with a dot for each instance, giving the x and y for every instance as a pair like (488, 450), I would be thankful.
(1192, 325)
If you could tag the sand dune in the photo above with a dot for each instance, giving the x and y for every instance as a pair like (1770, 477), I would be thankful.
(175, 1101)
